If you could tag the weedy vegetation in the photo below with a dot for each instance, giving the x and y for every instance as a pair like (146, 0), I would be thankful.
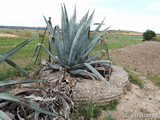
(134, 78)
(155, 79)
(111, 106)
(92, 111)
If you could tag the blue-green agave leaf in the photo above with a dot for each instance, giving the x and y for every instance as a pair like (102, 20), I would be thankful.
(3, 116)
(12, 82)
(79, 72)
(93, 57)
(83, 20)
(95, 38)
(65, 26)
(97, 29)
(59, 47)
(25, 103)
(46, 50)
(96, 73)
(15, 49)
(89, 21)
(75, 44)
(57, 67)
(11, 63)
(72, 28)
(100, 61)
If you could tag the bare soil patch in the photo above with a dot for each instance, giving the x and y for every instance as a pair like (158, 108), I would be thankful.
(7, 35)
(139, 104)
(145, 56)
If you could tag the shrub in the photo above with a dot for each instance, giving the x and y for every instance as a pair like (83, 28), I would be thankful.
(41, 35)
(148, 35)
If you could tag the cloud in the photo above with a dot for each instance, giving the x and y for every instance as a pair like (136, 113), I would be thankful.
(30, 13)
(133, 22)
(154, 6)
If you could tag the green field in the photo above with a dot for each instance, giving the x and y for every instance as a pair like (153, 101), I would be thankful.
(118, 41)
(23, 56)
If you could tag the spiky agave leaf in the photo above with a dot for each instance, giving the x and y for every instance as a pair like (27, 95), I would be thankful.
(13, 82)
(4, 56)
(11, 63)
(3, 116)
(57, 67)
(26, 103)
(46, 50)
(75, 46)
(96, 72)
(15, 49)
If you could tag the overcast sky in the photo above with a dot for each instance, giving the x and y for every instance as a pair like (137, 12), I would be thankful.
(135, 15)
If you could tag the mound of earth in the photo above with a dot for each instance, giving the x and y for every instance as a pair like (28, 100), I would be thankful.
(145, 56)
(139, 104)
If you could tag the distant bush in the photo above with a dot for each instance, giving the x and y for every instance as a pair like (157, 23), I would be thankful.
(24, 33)
(148, 35)
(8, 32)
(41, 35)
(28, 34)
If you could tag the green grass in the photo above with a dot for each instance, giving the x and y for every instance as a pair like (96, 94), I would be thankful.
(8, 73)
(118, 41)
(133, 78)
(131, 37)
(92, 111)
(111, 106)
(155, 79)
(108, 117)
(22, 57)
(26, 52)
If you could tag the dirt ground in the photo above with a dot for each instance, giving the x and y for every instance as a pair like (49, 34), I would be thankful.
(139, 104)
(7, 35)
(145, 56)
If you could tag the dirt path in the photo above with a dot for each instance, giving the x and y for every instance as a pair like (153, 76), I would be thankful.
(139, 104)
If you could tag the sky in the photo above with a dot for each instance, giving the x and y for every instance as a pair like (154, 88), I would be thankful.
(134, 15)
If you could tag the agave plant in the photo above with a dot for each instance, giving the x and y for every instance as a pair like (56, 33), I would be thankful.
(72, 54)
(75, 45)
(4, 57)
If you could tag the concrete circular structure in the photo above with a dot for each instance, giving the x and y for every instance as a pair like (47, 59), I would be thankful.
(98, 91)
